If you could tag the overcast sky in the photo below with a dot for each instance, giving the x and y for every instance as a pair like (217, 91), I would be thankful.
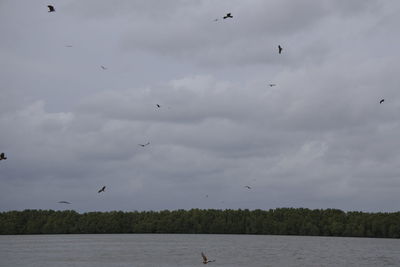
(318, 139)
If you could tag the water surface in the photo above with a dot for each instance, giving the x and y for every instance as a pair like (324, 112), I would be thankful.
(125, 250)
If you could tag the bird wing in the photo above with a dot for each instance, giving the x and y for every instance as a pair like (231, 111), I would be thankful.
(204, 256)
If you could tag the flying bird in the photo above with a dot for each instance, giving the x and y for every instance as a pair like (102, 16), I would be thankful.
(215, 19)
(2, 156)
(148, 143)
(102, 189)
(68, 46)
(51, 8)
(64, 202)
(248, 187)
(383, 100)
(104, 68)
(228, 15)
(205, 260)
(280, 48)
(158, 106)
(272, 84)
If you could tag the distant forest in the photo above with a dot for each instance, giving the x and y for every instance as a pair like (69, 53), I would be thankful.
(282, 221)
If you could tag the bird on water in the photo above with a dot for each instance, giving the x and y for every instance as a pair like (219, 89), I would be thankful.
(205, 260)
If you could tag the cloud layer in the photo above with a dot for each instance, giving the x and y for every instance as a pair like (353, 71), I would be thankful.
(318, 139)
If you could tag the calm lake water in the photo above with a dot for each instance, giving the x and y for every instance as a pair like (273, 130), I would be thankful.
(125, 250)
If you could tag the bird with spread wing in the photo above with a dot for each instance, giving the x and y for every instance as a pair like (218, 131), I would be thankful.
(143, 145)
(2, 156)
(280, 48)
(51, 8)
(205, 260)
(228, 15)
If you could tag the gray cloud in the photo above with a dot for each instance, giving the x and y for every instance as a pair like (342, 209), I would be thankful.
(318, 139)
(251, 37)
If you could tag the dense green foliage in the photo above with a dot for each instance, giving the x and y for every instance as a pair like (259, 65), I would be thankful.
(284, 221)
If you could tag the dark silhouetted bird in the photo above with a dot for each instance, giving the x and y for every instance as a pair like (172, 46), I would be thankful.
(228, 16)
(205, 260)
(104, 68)
(382, 100)
(102, 189)
(248, 187)
(2, 156)
(280, 48)
(148, 143)
(158, 106)
(51, 8)
(64, 202)
(272, 84)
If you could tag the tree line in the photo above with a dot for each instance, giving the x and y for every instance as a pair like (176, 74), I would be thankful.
(281, 221)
